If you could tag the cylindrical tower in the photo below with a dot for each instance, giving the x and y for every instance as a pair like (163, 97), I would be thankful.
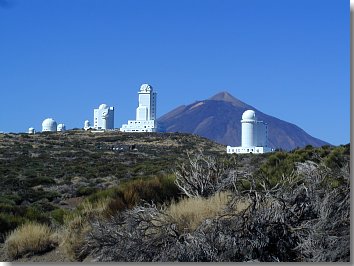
(104, 118)
(248, 128)
(87, 125)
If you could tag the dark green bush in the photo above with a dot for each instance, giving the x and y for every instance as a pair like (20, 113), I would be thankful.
(85, 191)
(58, 215)
(9, 222)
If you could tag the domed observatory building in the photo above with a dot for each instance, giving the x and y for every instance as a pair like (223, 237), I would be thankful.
(145, 113)
(254, 135)
(49, 125)
(103, 117)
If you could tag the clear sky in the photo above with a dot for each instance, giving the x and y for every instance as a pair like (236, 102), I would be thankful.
(63, 58)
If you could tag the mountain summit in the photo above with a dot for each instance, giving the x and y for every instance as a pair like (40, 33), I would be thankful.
(227, 97)
(218, 118)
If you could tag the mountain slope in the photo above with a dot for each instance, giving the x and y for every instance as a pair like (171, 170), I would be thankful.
(218, 118)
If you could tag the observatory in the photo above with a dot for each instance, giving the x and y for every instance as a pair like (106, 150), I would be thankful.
(31, 131)
(254, 135)
(87, 125)
(61, 127)
(145, 113)
(103, 117)
(49, 124)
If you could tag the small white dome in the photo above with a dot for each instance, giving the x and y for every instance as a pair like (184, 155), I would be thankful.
(249, 115)
(49, 124)
(145, 87)
(103, 106)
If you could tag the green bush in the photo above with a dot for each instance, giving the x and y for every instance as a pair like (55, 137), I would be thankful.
(58, 215)
(9, 222)
(85, 191)
(130, 192)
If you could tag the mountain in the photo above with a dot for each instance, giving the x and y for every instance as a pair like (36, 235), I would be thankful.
(218, 118)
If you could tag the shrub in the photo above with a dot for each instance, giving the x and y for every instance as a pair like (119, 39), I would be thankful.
(9, 222)
(202, 176)
(84, 191)
(58, 215)
(30, 238)
(300, 218)
(77, 226)
(130, 193)
(33, 214)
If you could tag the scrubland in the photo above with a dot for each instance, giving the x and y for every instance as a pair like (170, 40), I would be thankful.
(170, 197)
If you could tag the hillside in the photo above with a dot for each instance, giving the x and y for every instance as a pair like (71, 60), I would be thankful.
(218, 118)
(60, 166)
(116, 196)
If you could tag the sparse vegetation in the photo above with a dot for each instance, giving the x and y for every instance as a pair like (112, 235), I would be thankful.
(167, 202)
(297, 219)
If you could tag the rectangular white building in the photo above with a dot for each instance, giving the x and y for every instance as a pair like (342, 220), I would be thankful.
(145, 113)
(103, 117)
(254, 149)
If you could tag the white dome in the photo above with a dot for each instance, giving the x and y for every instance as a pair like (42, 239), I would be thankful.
(145, 88)
(249, 115)
(49, 124)
(103, 106)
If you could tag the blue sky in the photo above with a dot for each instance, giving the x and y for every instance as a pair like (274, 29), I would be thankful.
(62, 58)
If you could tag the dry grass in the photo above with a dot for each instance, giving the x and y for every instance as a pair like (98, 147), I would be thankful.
(76, 227)
(30, 238)
(189, 213)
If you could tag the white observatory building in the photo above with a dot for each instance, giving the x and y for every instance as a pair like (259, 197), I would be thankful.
(254, 138)
(49, 125)
(61, 127)
(145, 113)
(103, 117)
(87, 125)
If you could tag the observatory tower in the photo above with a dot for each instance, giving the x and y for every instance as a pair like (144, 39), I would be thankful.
(145, 113)
(87, 125)
(254, 135)
(103, 117)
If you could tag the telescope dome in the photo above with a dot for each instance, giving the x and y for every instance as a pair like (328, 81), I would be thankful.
(249, 115)
(49, 124)
(103, 106)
